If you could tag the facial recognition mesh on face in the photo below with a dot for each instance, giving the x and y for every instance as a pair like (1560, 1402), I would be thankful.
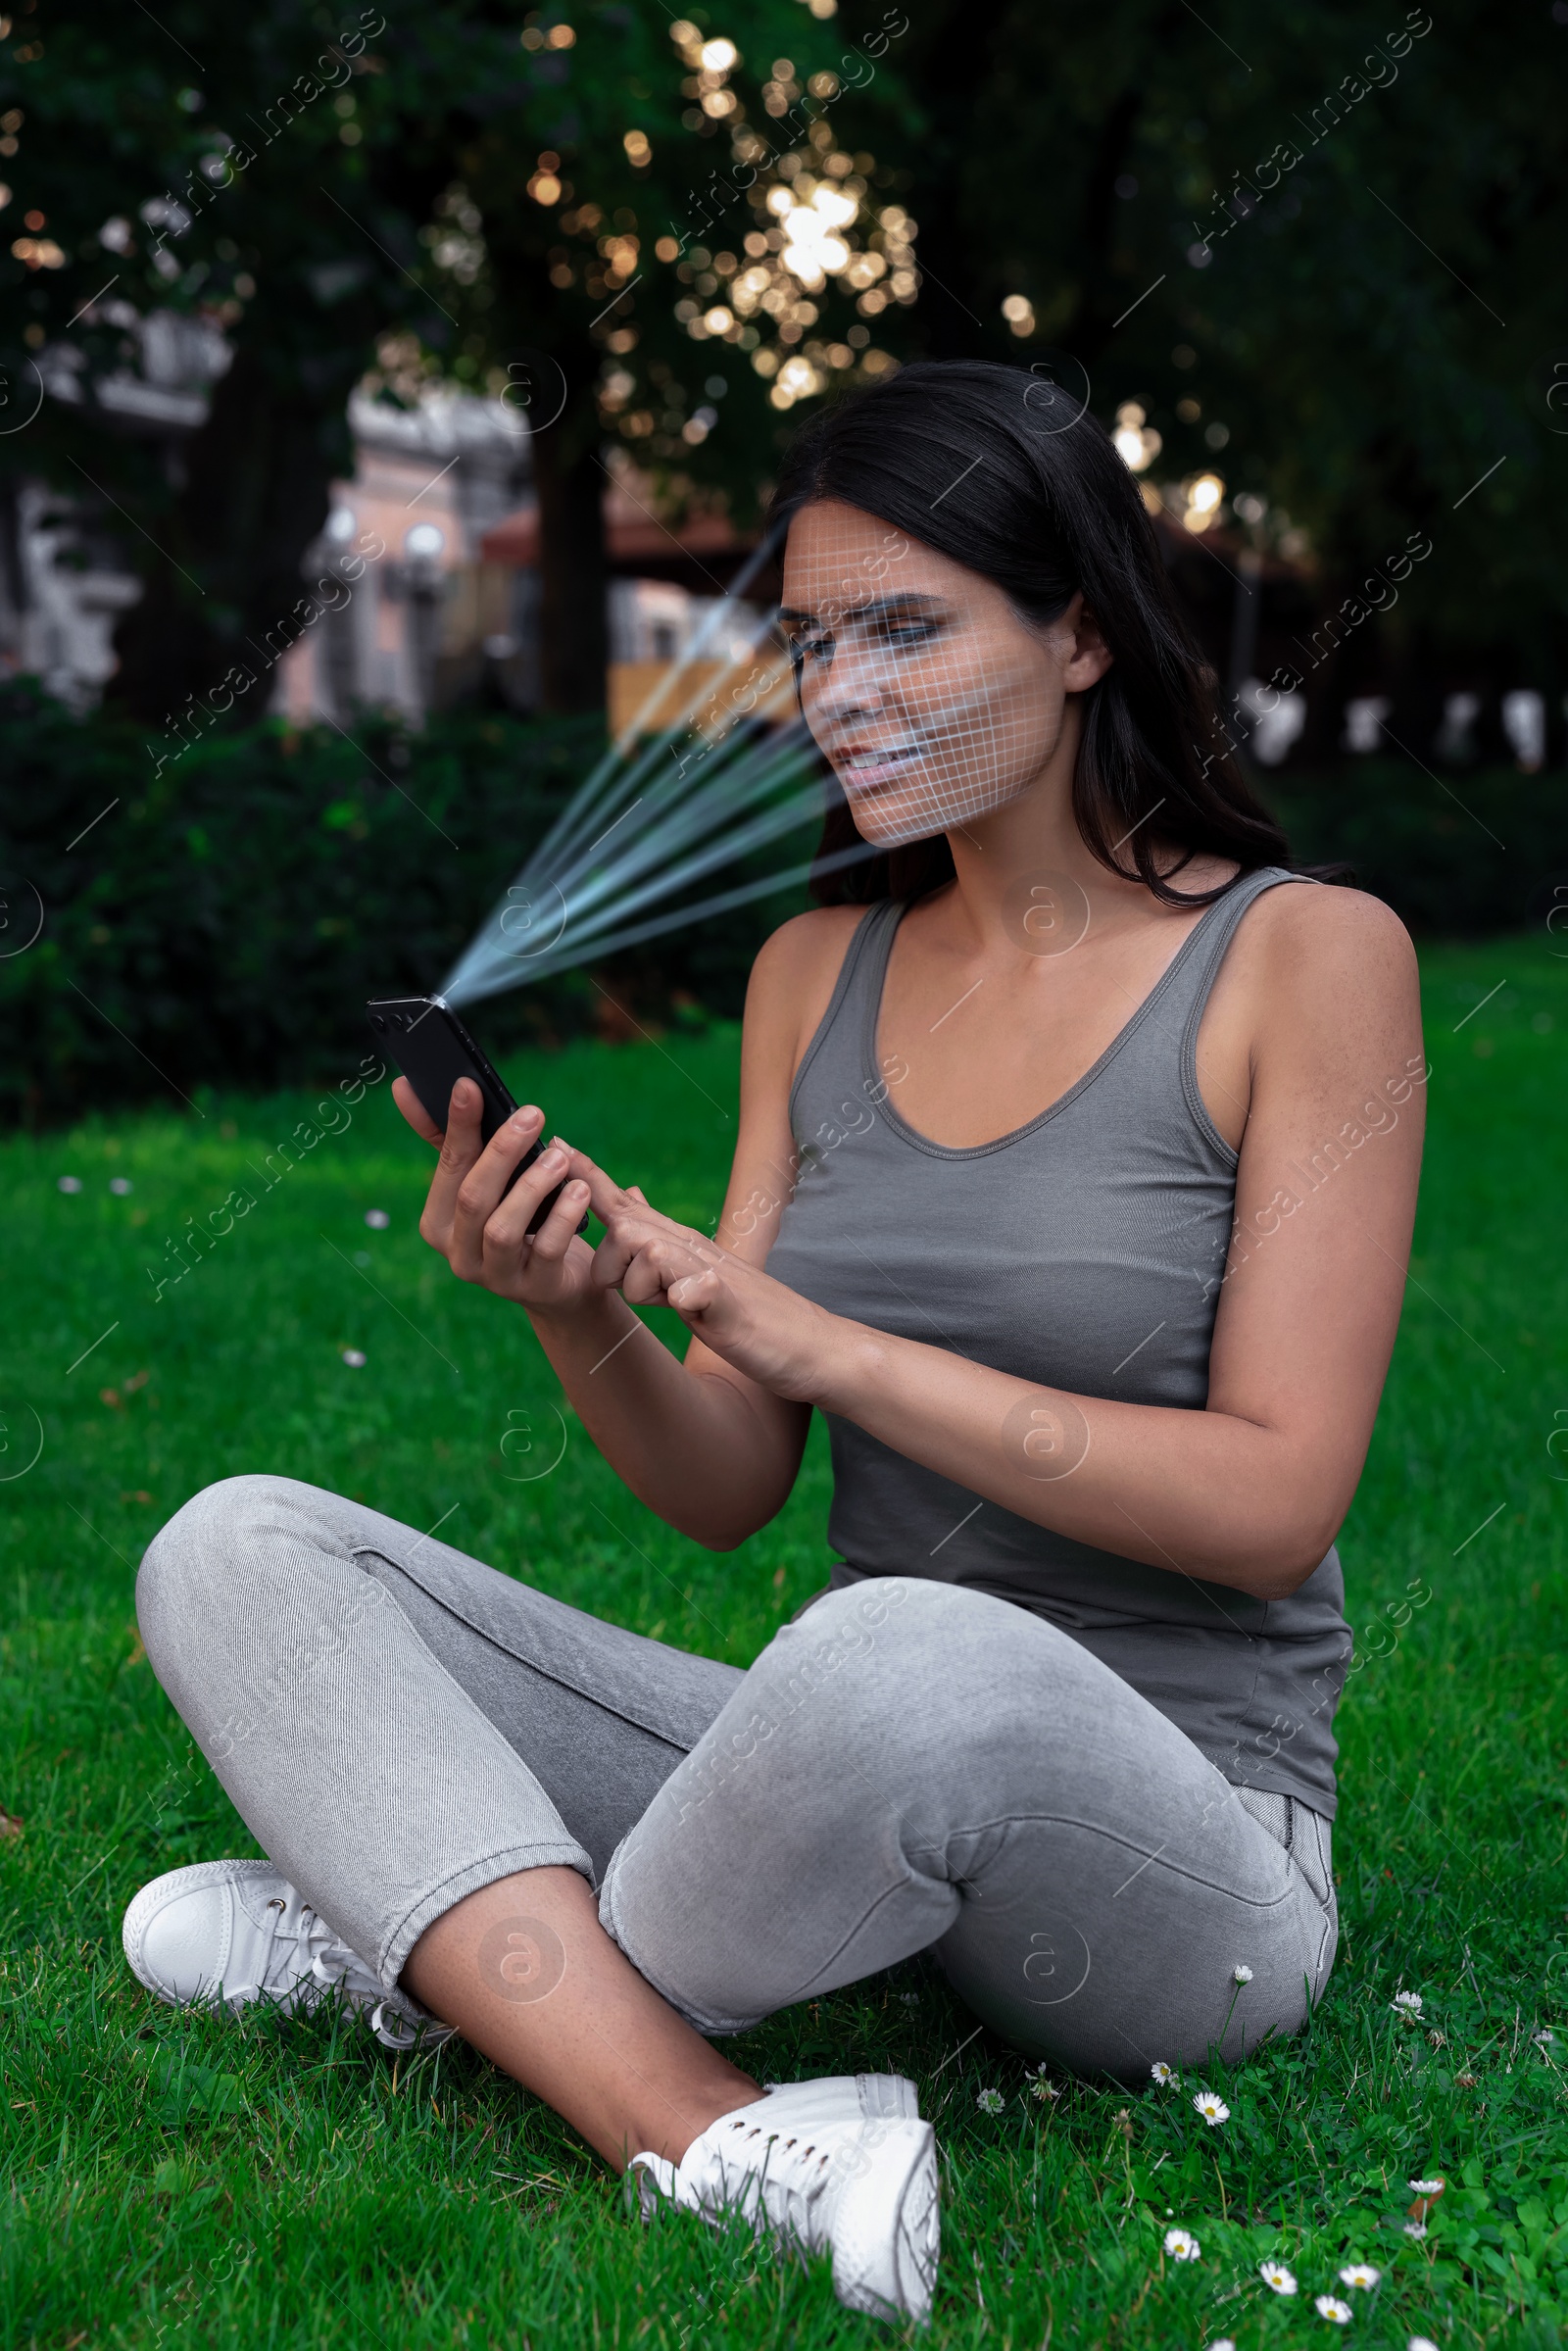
(933, 701)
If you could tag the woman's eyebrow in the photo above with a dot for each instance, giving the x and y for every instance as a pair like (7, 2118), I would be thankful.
(876, 608)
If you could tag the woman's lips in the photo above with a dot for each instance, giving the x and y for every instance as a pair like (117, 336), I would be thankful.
(868, 771)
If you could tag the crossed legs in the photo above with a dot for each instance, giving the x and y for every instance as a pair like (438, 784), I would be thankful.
(444, 1761)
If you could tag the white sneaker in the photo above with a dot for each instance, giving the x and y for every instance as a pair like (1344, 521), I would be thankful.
(228, 1933)
(822, 2179)
(844, 2098)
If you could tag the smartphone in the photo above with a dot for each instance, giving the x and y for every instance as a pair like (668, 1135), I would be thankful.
(433, 1049)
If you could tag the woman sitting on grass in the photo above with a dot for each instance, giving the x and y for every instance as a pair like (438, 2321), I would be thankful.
(1074, 1182)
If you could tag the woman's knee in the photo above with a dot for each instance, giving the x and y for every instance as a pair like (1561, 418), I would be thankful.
(920, 1657)
(852, 1644)
(891, 1681)
(207, 1562)
(891, 1616)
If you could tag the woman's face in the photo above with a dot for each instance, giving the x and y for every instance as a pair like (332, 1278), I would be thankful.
(933, 701)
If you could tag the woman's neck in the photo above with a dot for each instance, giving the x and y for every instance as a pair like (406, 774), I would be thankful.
(1033, 839)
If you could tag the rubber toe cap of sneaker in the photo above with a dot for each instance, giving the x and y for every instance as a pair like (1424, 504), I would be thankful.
(180, 1931)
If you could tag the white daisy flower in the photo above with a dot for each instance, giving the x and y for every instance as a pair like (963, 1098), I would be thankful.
(991, 2101)
(1165, 2074)
(1182, 2246)
(1274, 2273)
(1415, 2228)
(377, 1219)
(1329, 2306)
(1360, 2272)
(353, 1358)
(1242, 1973)
(1407, 2003)
(1213, 2110)
(1427, 2187)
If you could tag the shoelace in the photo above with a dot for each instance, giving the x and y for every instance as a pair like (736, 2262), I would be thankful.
(296, 1934)
(792, 2175)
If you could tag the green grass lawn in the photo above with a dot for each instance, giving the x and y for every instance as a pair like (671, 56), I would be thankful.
(263, 2184)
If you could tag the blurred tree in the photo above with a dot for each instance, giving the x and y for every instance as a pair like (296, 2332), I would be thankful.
(1319, 247)
(201, 167)
(667, 210)
(294, 180)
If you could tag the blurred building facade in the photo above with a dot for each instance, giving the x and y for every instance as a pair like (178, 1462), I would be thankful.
(424, 612)
(428, 578)
(65, 573)
(451, 607)
(425, 573)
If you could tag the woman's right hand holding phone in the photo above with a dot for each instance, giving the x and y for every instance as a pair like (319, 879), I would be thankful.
(480, 1228)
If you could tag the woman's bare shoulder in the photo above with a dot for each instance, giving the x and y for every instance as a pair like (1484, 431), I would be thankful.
(794, 977)
(1317, 983)
(804, 955)
(1328, 977)
(1325, 932)
(800, 947)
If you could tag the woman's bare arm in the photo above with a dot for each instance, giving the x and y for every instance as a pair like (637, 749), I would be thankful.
(1250, 1490)
(707, 1449)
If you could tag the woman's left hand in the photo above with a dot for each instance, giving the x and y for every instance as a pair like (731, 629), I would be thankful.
(767, 1332)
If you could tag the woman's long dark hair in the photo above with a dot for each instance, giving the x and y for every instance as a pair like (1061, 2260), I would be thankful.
(969, 457)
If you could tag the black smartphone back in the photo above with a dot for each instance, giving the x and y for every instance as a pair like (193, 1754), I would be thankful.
(433, 1049)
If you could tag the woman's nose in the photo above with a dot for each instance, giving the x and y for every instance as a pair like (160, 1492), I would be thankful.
(855, 685)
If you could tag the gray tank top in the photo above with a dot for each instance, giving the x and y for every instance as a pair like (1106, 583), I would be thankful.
(1085, 1251)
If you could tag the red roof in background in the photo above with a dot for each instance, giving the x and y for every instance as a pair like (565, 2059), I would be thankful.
(636, 539)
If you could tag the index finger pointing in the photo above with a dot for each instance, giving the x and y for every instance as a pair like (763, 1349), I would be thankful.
(603, 1193)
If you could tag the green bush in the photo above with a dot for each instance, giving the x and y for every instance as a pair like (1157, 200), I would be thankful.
(1455, 856)
(224, 921)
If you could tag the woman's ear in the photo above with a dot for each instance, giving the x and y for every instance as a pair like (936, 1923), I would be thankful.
(1091, 656)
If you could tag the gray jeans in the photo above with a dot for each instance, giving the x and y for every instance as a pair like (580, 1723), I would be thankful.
(908, 1767)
